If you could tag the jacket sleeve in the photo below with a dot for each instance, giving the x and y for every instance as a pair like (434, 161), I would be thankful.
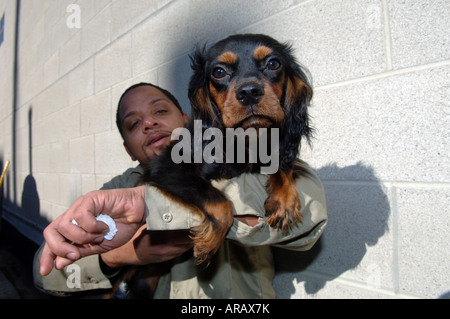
(247, 194)
(84, 274)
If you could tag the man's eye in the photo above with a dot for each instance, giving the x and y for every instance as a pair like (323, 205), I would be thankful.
(133, 125)
(161, 111)
(219, 73)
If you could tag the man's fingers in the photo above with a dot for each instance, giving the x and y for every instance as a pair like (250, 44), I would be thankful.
(47, 261)
(58, 245)
(81, 230)
(61, 262)
(82, 215)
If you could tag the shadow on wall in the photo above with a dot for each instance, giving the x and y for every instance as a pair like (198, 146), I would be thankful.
(25, 214)
(206, 28)
(358, 216)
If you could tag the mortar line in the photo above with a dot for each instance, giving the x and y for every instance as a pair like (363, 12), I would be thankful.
(385, 75)
(387, 35)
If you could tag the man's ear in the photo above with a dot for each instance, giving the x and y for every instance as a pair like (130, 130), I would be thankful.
(129, 152)
(186, 118)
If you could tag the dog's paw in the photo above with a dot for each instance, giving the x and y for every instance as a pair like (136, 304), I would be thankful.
(283, 203)
(209, 236)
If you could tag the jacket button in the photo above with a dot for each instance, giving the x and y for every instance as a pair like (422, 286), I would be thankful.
(167, 217)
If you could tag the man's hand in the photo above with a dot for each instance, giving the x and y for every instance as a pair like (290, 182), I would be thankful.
(67, 242)
(149, 247)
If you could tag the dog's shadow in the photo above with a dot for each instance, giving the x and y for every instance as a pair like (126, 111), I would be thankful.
(358, 216)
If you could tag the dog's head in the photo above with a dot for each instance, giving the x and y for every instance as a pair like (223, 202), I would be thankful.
(250, 80)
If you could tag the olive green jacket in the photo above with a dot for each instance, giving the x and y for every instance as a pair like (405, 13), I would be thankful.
(242, 268)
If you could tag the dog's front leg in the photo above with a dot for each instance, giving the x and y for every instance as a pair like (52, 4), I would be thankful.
(218, 218)
(283, 203)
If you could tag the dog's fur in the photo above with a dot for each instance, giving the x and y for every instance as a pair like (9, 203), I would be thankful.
(242, 81)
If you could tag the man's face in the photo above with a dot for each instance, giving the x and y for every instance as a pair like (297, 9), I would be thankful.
(148, 119)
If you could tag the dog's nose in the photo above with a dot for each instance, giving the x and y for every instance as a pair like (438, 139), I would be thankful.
(250, 93)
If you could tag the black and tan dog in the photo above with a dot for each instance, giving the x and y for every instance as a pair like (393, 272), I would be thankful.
(247, 81)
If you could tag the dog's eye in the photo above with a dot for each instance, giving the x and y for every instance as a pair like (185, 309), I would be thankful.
(273, 64)
(219, 73)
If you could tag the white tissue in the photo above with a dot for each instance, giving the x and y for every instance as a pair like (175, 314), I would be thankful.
(111, 225)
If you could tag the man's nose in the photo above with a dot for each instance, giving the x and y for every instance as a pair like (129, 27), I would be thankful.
(150, 122)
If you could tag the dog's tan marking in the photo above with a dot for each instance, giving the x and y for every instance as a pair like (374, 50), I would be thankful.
(228, 57)
(297, 90)
(261, 52)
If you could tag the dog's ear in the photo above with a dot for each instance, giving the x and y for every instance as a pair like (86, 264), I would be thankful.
(298, 94)
(298, 97)
(198, 93)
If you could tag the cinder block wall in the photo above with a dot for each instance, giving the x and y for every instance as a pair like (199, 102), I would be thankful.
(380, 70)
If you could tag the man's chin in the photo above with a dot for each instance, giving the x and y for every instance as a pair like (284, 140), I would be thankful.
(151, 152)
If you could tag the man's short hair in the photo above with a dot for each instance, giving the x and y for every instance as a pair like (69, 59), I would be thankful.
(165, 92)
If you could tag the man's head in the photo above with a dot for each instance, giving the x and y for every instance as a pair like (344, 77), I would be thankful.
(146, 116)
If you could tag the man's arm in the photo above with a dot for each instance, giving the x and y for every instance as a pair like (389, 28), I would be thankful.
(66, 242)
(247, 193)
(147, 248)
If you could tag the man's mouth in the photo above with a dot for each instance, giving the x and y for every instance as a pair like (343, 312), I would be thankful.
(158, 139)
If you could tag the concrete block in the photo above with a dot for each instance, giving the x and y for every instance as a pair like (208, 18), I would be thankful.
(70, 189)
(70, 54)
(48, 130)
(55, 38)
(55, 210)
(116, 92)
(81, 82)
(53, 99)
(100, 4)
(125, 15)
(53, 14)
(96, 113)
(51, 70)
(211, 22)
(296, 286)
(420, 32)
(31, 35)
(89, 9)
(41, 158)
(358, 242)
(424, 241)
(5, 130)
(394, 125)
(82, 155)
(110, 155)
(174, 77)
(51, 187)
(32, 18)
(336, 40)
(162, 38)
(67, 123)
(96, 33)
(31, 85)
(59, 157)
(59, 126)
(159, 4)
(88, 183)
(113, 64)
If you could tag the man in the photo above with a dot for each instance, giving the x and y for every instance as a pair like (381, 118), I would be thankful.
(242, 267)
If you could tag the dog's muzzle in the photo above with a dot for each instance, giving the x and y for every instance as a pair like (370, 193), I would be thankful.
(249, 93)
